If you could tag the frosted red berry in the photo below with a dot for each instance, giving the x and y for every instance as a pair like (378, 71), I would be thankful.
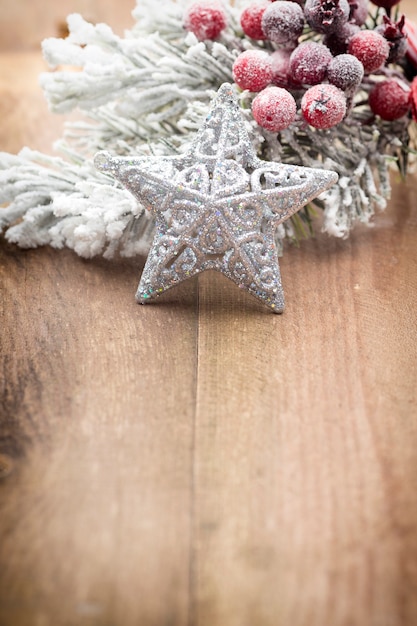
(323, 106)
(280, 61)
(326, 16)
(274, 109)
(308, 63)
(206, 19)
(345, 71)
(358, 11)
(371, 48)
(390, 100)
(251, 20)
(283, 22)
(252, 70)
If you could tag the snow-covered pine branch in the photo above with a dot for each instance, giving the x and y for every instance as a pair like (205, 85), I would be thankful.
(144, 73)
(55, 202)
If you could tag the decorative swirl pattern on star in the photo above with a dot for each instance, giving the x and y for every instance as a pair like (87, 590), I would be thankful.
(217, 206)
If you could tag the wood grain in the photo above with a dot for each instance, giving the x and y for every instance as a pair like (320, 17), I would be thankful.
(201, 461)
(98, 425)
(25, 23)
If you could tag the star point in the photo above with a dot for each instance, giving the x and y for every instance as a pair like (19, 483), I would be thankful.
(217, 206)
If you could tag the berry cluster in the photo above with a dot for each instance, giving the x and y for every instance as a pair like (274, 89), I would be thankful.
(313, 55)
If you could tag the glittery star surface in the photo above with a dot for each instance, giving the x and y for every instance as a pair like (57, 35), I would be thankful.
(217, 206)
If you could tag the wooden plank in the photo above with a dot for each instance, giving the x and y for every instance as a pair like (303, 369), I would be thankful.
(203, 461)
(98, 427)
(306, 431)
(23, 108)
(96, 438)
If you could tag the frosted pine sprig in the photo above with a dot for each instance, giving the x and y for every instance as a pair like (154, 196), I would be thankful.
(61, 204)
(142, 73)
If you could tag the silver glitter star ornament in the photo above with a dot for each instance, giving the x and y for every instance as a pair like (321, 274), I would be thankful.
(217, 206)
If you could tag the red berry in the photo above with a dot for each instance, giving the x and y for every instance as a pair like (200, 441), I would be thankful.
(371, 48)
(386, 4)
(338, 41)
(390, 100)
(358, 11)
(251, 20)
(253, 70)
(308, 63)
(323, 106)
(345, 71)
(283, 22)
(326, 16)
(413, 99)
(280, 61)
(206, 19)
(274, 109)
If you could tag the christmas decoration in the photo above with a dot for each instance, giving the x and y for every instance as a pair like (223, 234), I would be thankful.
(358, 11)
(396, 37)
(371, 48)
(338, 41)
(386, 4)
(390, 99)
(309, 63)
(413, 99)
(251, 20)
(280, 62)
(217, 206)
(206, 19)
(326, 17)
(274, 109)
(146, 94)
(252, 70)
(346, 72)
(283, 22)
(323, 106)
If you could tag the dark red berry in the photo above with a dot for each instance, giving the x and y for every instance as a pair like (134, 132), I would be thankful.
(252, 70)
(280, 61)
(274, 109)
(308, 63)
(283, 22)
(411, 31)
(326, 16)
(206, 19)
(370, 48)
(413, 99)
(338, 41)
(390, 100)
(358, 11)
(394, 33)
(386, 4)
(323, 106)
(251, 20)
(345, 71)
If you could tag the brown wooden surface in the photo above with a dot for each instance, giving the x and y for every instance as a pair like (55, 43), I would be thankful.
(201, 461)
(24, 23)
